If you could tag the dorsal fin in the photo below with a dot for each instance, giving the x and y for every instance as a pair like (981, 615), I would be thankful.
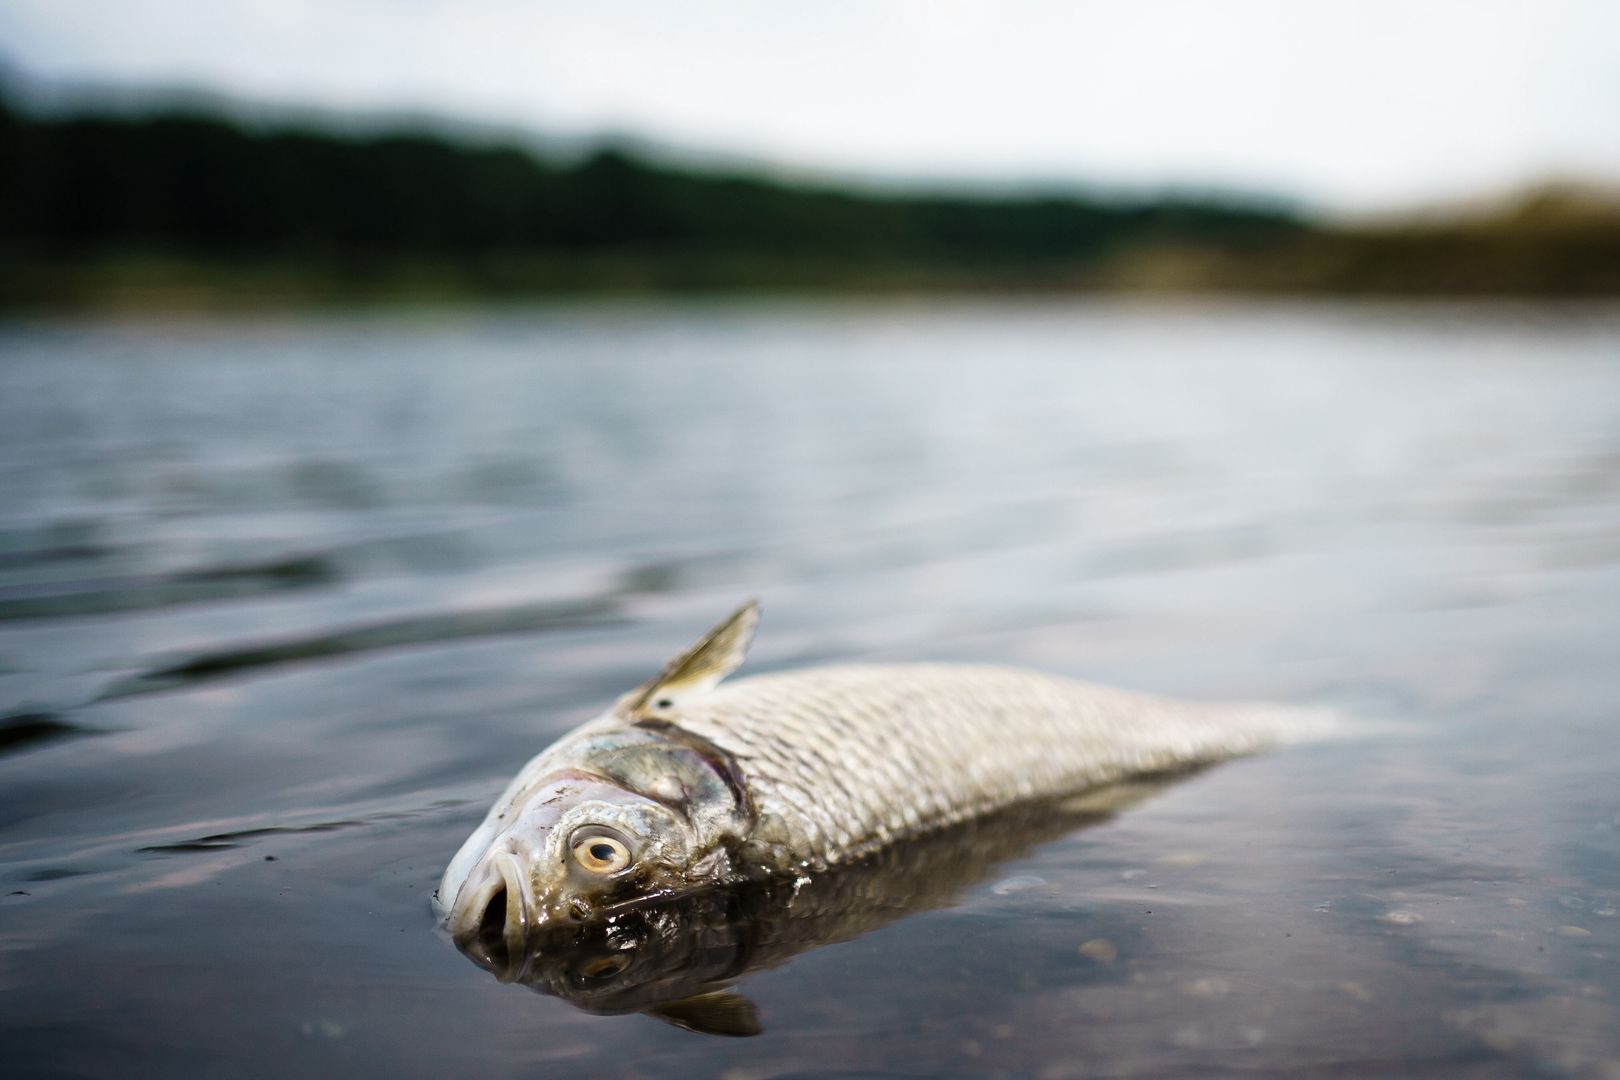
(716, 655)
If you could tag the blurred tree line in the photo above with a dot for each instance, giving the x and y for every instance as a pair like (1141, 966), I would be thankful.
(91, 202)
(204, 185)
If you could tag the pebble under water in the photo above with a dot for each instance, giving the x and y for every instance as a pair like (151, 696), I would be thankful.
(285, 602)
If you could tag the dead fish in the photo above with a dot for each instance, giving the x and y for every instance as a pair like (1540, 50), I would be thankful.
(686, 783)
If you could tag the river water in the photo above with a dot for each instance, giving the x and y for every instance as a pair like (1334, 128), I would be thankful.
(284, 603)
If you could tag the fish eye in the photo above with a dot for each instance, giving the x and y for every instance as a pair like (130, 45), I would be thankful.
(600, 853)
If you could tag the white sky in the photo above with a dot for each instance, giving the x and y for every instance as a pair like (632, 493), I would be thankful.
(1352, 104)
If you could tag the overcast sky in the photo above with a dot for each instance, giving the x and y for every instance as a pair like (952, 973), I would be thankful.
(1350, 104)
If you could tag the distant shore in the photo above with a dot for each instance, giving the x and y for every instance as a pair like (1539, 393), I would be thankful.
(177, 212)
(1347, 265)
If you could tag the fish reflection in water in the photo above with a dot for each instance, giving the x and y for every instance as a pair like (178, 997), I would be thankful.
(679, 959)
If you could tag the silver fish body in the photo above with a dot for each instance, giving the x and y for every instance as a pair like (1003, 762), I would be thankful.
(686, 783)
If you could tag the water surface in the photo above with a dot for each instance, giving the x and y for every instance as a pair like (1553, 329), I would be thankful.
(283, 603)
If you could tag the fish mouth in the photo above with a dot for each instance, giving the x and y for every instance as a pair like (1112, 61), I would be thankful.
(499, 907)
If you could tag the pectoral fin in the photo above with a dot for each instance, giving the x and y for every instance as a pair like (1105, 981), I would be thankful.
(723, 1012)
(716, 655)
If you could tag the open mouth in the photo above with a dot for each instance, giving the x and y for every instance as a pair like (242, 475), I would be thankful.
(492, 924)
(498, 907)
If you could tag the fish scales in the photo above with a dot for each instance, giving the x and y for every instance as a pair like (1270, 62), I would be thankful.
(687, 782)
(838, 760)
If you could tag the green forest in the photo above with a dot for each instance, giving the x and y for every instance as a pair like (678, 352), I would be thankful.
(180, 208)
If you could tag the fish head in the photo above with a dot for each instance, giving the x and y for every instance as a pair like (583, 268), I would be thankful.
(626, 808)
(565, 851)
